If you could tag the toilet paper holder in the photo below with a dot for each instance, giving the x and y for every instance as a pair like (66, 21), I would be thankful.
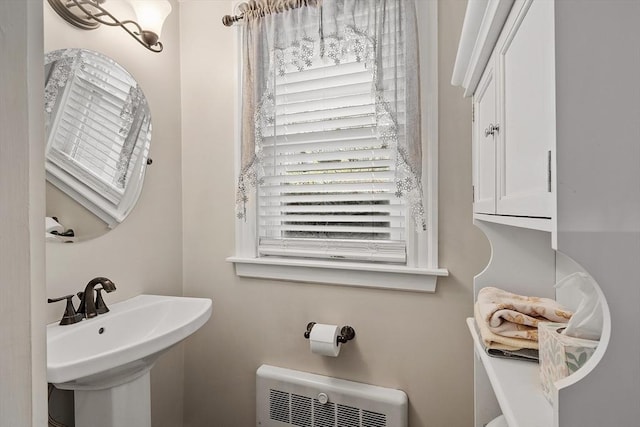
(347, 333)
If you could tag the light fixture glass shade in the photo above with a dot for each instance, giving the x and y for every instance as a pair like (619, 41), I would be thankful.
(151, 14)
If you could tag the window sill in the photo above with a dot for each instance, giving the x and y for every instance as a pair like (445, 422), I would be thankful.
(350, 274)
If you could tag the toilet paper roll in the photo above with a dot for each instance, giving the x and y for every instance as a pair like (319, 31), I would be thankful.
(323, 340)
(53, 225)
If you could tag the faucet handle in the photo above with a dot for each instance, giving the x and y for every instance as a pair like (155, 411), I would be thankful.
(81, 309)
(70, 315)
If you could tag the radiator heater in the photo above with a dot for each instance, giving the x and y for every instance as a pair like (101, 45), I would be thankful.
(293, 398)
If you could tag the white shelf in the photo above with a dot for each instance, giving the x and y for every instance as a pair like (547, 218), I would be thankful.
(542, 224)
(517, 387)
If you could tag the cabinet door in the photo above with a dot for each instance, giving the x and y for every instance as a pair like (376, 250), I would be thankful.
(484, 145)
(526, 140)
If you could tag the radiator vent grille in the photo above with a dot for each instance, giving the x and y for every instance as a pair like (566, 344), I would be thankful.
(287, 398)
(372, 419)
(348, 416)
(279, 406)
(324, 415)
(302, 411)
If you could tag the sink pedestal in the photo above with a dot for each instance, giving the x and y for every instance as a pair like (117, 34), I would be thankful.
(128, 404)
(106, 360)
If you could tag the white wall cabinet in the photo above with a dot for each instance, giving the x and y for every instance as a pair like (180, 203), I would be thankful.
(556, 191)
(514, 118)
(485, 120)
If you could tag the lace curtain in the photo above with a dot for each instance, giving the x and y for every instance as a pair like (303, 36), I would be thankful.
(381, 33)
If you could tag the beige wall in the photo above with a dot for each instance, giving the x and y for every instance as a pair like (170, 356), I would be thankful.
(412, 341)
(143, 254)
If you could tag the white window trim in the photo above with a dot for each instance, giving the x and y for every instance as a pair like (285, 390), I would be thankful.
(340, 273)
(422, 270)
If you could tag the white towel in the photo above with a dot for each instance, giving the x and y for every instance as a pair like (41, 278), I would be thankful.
(53, 225)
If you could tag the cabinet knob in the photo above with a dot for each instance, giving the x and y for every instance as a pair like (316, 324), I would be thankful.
(491, 130)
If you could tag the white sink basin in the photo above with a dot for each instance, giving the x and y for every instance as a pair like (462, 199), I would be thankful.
(119, 346)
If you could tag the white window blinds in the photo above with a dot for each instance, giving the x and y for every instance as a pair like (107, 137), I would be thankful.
(328, 188)
(94, 137)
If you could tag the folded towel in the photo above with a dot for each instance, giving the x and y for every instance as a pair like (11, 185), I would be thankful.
(509, 321)
(499, 342)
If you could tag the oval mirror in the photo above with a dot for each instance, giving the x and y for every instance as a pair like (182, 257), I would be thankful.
(98, 134)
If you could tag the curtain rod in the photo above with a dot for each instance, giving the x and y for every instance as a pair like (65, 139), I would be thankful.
(229, 20)
(244, 7)
(276, 7)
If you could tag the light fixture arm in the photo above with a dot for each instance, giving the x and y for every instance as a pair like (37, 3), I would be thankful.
(95, 14)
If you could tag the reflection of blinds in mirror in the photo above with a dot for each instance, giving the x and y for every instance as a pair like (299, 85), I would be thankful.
(328, 188)
(95, 135)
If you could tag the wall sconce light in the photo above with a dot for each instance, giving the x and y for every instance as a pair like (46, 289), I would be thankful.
(89, 14)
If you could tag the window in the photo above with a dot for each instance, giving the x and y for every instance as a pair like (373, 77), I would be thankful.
(328, 187)
(331, 194)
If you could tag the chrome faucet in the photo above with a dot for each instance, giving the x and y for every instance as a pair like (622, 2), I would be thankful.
(90, 307)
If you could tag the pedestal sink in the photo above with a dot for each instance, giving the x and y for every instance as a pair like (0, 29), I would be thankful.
(106, 360)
